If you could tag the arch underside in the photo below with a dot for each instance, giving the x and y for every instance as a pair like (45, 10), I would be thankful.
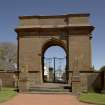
(54, 42)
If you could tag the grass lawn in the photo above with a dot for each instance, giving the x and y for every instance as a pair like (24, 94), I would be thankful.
(96, 98)
(6, 94)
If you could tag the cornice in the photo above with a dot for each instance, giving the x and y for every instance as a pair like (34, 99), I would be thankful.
(76, 30)
(54, 16)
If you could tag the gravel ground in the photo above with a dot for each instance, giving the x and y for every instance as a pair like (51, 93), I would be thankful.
(44, 99)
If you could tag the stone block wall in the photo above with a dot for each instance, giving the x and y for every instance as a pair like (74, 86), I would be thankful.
(34, 79)
(8, 78)
(91, 81)
(95, 81)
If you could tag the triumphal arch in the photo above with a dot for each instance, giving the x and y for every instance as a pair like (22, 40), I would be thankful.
(36, 33)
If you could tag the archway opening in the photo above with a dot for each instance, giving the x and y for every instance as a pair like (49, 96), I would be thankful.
(54, 64)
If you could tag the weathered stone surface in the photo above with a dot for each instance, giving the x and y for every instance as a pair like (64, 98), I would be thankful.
(8, 78)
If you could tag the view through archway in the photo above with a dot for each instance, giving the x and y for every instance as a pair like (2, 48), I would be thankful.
(54, 65)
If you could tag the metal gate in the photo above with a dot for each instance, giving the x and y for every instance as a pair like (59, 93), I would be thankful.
(55, 70)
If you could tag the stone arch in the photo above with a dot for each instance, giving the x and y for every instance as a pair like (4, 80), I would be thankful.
(52, 42)
(33, 31)
(49, 43)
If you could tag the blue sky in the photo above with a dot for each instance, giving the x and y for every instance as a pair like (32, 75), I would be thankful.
(55, 52)
(11, 9)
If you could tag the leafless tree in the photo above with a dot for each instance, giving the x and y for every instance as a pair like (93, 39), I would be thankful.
(8, 52)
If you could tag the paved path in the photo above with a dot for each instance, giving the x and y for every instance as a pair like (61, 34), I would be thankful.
(44, 99)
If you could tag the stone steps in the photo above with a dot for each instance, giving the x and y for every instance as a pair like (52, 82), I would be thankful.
(36, 92)
(50, 89)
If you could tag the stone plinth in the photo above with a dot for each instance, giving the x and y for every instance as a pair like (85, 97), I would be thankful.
(76, 84)
(23, 85)
(23, 80)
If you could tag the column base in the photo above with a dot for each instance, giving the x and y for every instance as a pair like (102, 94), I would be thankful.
(23, 86)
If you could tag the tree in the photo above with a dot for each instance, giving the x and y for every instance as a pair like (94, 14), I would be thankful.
(102, 68)
(8, 52)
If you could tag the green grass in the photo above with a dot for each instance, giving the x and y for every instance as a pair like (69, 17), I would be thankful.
(6, 94)
(96, 98)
